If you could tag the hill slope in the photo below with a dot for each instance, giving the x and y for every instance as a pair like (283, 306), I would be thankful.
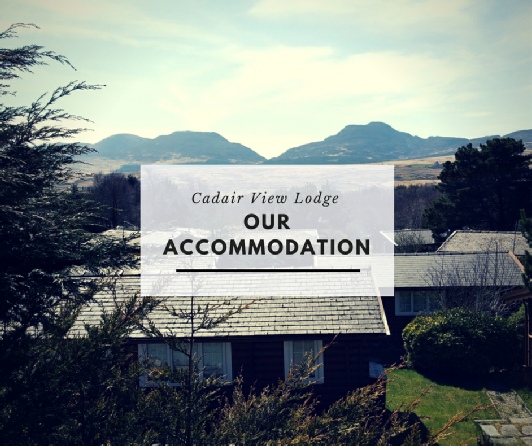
(376, 142)
(371, 143)
(178, 147)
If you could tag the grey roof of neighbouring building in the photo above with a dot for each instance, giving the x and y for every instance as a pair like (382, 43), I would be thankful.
(298, 315)
(476, 241)
(456, 269)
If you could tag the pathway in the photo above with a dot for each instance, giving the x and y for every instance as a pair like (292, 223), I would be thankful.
(515, 425)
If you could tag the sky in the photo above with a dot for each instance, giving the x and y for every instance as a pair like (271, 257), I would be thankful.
(275, 74)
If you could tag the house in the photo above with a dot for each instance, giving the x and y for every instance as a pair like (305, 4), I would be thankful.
(270, 333)
(425, 281)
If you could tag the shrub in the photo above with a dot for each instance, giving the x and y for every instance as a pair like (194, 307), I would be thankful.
(286, 414)
(462, 342)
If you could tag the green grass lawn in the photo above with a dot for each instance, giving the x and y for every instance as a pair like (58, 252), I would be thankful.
(525, 393)
(439, 405)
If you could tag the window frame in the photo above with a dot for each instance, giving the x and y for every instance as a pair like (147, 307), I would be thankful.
(429, 307)
(319, 377)
(227, 360)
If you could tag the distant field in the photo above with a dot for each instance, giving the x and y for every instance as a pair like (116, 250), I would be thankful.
(407, 172)
(424, 161)
(418, 171)
(96, 165)
(421, 170)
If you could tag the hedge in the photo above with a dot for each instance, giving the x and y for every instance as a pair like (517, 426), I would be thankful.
(462, 342)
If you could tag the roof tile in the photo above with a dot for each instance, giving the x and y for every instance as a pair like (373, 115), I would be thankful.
(262, 315)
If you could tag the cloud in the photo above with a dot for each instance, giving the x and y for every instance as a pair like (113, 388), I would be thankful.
(289, 77)
(397, 15)
(292, 71)
(130, 23)
(285, 92)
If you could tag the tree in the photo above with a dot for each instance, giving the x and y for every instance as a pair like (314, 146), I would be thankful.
(475, 281)
(410, 241)
(41, 224)
(43, 244)
(483, 188)
(410, 203)
(77, 390)
(120, 196)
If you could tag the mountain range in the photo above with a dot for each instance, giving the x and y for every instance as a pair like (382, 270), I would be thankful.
(374, 142)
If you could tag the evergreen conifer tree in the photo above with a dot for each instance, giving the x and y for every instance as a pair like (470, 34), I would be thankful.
(483, 188)
(44, 249)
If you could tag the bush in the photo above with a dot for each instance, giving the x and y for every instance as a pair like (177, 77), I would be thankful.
(462, 342)
(286, 414)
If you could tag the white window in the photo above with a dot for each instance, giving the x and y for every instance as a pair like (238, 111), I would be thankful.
(409, 303)
(295, 352)
(214, 359)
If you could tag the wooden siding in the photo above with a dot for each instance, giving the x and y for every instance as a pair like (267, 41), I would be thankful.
(395, 323)
(346, 362)
(392, 346)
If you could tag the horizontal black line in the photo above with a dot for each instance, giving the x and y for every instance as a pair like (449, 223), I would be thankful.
(263, 270)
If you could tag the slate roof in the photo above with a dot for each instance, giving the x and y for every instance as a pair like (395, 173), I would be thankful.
(476, 241)
(464, 269)
(380, 265)
(254, 284)
(297, 315)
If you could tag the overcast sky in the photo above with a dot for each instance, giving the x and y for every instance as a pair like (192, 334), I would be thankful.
(274, 74)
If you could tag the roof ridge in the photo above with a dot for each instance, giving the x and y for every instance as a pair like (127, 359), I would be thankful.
(485, 231)
(448, 253)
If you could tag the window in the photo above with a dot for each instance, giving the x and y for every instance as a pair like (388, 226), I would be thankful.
(409, 303)
(297, 351)
(214, 359)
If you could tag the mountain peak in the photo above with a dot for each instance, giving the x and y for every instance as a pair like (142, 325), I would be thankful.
(179, 147)
(370, 143)
(379, 124)
(354, 144)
